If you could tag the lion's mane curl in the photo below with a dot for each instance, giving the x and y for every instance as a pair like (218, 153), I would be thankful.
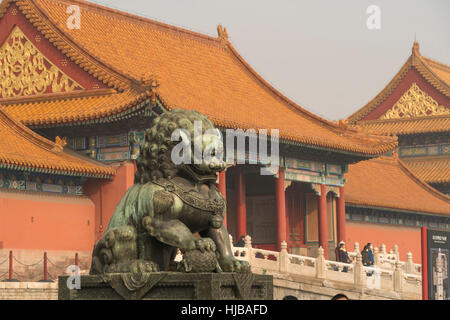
(154, 160)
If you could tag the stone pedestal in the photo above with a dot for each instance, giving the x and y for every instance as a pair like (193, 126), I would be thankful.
(170, 286)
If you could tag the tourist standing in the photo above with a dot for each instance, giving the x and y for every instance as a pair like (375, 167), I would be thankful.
(367, 257)
(343, 255)
(241, 242)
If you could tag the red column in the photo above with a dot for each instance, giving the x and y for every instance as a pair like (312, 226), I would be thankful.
(10, 265)
(340, 216)
(223, 190)
(423, 233)
(241, 205)
(323, 219)
(45, 266)
(77, 262)
(281, 209)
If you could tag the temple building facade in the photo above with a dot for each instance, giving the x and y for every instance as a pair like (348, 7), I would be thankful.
(415, 106)
(42, 193)
(386, 203)
(100, 90)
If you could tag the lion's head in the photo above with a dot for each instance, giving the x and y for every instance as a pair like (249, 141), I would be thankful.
(158, 157)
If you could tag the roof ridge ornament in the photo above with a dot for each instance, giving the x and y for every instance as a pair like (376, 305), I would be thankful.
(151, 84)
(415, 52)
(395, 153)
(343, 123)
(415, 48)
(59, 144)
(222, 33)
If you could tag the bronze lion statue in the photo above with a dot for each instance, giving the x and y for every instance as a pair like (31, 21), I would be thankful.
(171, 206)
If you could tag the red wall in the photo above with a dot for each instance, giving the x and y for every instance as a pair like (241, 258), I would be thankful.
(45, 221)
(107, 194)
(407, 238)
(35, 220)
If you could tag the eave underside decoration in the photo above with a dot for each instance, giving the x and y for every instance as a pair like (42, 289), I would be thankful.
(25, 71)
(415, 103)
(434, 73)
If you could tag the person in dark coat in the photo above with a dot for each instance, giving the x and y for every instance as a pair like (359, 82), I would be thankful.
(370, 252)
(241, 242)
(343, 255)
(367, 257)
(336, 252)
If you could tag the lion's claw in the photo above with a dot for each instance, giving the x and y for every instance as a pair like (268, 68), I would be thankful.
(234, 265)
(205, 244)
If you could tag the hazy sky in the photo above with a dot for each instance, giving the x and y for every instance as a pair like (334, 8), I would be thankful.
(318, 53)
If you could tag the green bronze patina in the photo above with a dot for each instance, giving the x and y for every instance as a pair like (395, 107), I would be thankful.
(165, 207)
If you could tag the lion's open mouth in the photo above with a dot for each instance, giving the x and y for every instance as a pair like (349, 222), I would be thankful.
(198, 174)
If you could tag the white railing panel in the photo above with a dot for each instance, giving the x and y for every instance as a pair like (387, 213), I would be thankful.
(340, 276)
(380, 276)
(301, 270)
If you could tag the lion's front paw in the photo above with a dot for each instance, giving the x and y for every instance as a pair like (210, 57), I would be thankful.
(234, 265)
(205, 244)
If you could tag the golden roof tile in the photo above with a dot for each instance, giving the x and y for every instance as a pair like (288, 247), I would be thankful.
(22, 149)
(73, 109)
(195, 72)
(430, 169)
(426, 124)
(386, 182)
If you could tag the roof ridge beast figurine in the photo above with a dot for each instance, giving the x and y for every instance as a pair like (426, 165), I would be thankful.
(168, 203)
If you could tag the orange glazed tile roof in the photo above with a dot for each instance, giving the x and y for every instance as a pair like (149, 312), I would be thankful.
(386, 182)
(64, 108)
(22, 149)
(441, 70)
(195, 72)
(431, 170)
(406, 125)
(437, 74)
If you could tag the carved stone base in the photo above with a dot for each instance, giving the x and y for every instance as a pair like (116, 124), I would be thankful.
(170, 286)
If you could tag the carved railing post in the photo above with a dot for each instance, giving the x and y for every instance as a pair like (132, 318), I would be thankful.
(356, 247)
(398, 277)
(359, 272)
(382, 254)
(248, 241)
(397, 254)
(231, 241)
(376, 256)
(320, 264)
(409, 265)
(248, 245)
(283, 258)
